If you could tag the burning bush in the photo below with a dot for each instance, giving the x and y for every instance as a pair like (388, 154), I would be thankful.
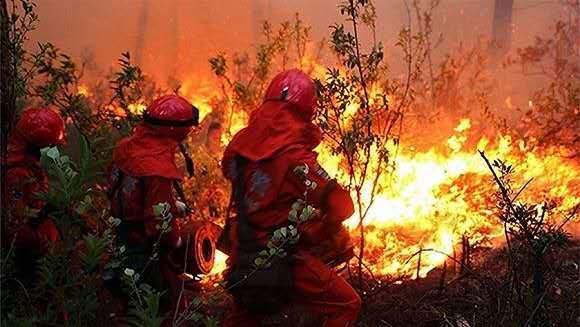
(429, 224)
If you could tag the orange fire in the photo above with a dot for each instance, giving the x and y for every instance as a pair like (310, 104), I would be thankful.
(433, 198)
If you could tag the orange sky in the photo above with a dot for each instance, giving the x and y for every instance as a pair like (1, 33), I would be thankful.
(182, 34)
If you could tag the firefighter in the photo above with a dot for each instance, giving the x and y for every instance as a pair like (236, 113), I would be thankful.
(144, 174)
(31, 233)
(261, 162)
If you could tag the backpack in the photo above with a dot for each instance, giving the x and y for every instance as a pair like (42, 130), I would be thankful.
(258, 290)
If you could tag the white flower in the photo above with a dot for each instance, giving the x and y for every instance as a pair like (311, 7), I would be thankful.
(129, 272)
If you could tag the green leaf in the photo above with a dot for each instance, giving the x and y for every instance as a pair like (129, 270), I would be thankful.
(95, 249)
(293, 232)
(297, 205)
(52, 152)
(306, 214)
(259, 261)
(84, 205)
(277, 235)
(160, 208)
(293, 215)
(313, 185)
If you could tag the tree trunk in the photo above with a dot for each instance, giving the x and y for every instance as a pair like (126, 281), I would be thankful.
(7, 94)
(172, 72)
(538, 287)
(502, 28)
(141, 32)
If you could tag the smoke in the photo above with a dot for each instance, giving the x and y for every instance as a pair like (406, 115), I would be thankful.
(141, 32)
(173, 39)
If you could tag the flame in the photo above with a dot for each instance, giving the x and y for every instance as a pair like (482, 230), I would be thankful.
(433, 198)
(464, 125)
(199, 92)
(219, 263)
(236, 121)
(83, 90)
(117, 111)
(136, 108)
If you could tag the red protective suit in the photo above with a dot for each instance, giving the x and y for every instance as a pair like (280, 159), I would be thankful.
(142, 175)
(280, 136)
(31, 232)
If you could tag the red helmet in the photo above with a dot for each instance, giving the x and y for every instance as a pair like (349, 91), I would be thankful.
(41, 127)
(172, 116)
(296, 87)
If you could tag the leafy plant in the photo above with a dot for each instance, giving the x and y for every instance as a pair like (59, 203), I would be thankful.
(283, 238)
(18, 19)
(357, 113)
(16, 68)
(71, 185)
(243, 81)
(128, 90)
(95, 250)
(144, 303)
(553, 108)
(529, 238)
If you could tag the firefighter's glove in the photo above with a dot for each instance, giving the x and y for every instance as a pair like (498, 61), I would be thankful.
(182, 208)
